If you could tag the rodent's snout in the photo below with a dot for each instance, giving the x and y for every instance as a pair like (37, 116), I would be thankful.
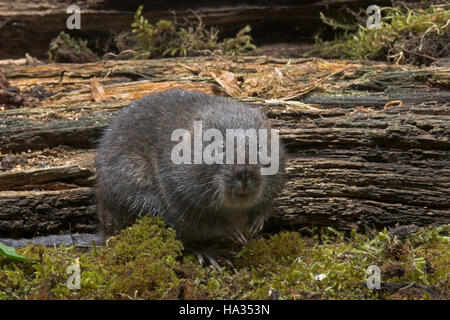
(243, 186)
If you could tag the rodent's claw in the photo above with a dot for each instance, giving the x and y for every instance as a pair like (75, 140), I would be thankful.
(212, 255)
(234, 234)
(200, 258)
(256, 226)
(211, 259)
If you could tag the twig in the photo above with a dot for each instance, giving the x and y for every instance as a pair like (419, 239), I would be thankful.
(407, 286)
(398, 102)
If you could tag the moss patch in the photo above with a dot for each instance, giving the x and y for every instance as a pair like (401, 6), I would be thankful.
(172, 38)
(145, 262)
(415, 36)
(67, 49)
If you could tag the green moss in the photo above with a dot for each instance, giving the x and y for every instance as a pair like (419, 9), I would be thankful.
(405, 36)
(167, 38)
(64, 48)
(142, 261)
(79, 45)
(145, 261)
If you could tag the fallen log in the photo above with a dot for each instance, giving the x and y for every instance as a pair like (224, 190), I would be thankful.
(36, 138)
(372, 101)
(361, 195)
(33, 213)
(9, 181)
(349, 170)
(355, 161)
(346, 194)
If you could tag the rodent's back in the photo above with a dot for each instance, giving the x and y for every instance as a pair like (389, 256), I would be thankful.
(135, 174)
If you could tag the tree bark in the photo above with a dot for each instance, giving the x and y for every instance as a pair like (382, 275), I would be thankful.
(34, 213)
(354, 162)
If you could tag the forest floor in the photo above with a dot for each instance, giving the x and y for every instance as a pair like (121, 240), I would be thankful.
(145, 262)
(369, 150)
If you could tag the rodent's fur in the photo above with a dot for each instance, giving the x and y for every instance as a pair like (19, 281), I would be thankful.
(135, 174)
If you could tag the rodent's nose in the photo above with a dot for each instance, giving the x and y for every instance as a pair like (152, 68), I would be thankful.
(244, 175)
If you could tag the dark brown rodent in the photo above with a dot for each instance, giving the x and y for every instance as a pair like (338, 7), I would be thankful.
(135, 174)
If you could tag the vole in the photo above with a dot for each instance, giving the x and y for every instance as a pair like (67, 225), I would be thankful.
(140, 169)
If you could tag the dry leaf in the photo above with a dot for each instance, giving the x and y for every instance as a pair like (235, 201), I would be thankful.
(32, 60)
(228, 81)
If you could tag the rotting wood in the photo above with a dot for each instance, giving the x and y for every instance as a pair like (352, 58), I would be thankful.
(424, 127)
(380, 101)
(32, 213)
(357, 170)
(320, 190)
(10, 180)
(354, 161)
